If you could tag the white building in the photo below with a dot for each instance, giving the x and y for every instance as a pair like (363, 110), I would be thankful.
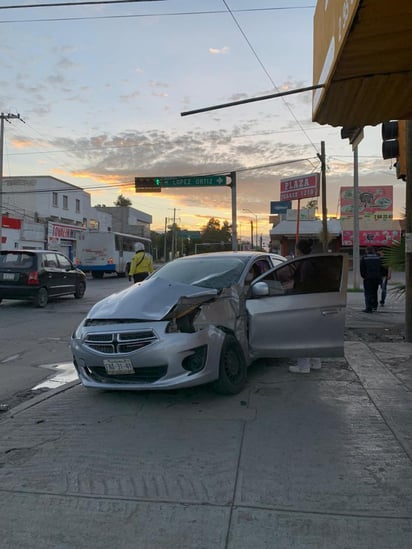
(46, 212)
(128, 220)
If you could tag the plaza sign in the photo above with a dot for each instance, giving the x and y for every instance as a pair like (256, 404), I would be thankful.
(303, 186)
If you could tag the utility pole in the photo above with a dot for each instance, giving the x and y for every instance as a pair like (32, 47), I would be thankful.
(355, 136)
(322, 158)
(3, 117)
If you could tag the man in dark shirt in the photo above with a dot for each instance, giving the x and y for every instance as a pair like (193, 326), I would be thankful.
(371, 272)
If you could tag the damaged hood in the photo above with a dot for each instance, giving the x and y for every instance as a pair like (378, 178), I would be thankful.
(152, 299)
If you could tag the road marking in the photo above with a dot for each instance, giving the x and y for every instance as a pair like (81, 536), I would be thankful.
(9, 359)
(66, 373)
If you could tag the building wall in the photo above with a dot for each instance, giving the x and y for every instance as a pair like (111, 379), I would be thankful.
(51, 213)
(129, 220)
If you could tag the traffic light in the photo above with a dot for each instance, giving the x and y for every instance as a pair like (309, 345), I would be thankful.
(394, 145)
(147, 184)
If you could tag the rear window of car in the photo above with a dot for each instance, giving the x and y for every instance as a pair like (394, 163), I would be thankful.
(16, 260)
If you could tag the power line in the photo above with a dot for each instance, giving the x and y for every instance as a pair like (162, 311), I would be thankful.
(131, 184)
(82, 3)
(269, 76)
(170, 14)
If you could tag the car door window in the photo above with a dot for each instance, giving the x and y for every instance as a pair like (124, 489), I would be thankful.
(257, 269)
(307, 274)
(50, 261)
(64, 263)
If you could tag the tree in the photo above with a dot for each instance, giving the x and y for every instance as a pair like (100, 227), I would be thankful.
(122, 201)
(213, 232)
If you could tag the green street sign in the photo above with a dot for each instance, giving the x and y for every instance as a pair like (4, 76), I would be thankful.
(199, 181)
(190, 234)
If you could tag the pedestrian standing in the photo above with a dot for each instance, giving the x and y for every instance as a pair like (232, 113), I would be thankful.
(371, 272)
(305, 273)
(141, 265)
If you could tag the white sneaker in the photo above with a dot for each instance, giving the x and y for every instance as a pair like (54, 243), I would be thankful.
(298, 369)
(315, 364)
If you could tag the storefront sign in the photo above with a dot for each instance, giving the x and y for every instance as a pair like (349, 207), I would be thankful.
(374, 202)
(302, 186)
(372, 237)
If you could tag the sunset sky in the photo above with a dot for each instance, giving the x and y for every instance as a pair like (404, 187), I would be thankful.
(101, 89)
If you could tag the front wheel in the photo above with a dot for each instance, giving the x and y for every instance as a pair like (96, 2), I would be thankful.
(80, 289)
(232, 368)
(42, 298)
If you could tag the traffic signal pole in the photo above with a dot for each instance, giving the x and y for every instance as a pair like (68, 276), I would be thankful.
(408, 234)
(234, 211)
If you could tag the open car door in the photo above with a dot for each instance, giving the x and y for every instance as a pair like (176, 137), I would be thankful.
(290, 315)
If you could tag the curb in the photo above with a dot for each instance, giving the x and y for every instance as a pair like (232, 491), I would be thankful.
(37, 400)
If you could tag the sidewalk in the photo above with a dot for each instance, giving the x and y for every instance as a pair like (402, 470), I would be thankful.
(294, 461)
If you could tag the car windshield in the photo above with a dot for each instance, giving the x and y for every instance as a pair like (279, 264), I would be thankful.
(16, 260)
(207, 272)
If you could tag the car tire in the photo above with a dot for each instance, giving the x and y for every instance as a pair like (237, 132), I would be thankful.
(80, 289)
(42, 298)
(232, 368)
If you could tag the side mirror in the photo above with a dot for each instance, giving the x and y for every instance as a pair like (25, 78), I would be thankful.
(260, 289)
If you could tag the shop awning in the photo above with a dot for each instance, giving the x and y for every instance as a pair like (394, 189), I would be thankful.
(363, 53)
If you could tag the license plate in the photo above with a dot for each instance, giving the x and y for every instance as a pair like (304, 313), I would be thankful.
(117, 366)
(8, 276)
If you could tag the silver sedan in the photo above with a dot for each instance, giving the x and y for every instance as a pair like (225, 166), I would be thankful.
(205, 318)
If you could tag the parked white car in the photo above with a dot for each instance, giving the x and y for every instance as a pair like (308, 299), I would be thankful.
(205, 318)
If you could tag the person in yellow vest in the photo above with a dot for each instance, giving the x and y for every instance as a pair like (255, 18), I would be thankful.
(141, 265)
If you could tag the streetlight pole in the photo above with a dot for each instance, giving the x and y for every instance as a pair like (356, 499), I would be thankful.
(256, 227)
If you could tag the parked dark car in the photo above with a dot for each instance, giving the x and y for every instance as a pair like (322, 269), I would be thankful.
(39, 275)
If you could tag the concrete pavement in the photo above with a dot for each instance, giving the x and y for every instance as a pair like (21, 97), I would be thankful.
(294, 461)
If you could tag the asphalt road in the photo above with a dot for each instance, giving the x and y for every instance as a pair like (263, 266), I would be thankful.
(34, 341)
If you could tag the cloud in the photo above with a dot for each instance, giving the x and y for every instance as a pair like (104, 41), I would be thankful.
(217, 51)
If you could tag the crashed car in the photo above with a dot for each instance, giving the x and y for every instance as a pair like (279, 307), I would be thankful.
(205, 318)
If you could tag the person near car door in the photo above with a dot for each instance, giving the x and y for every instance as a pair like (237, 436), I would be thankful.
(303, 276)
(141, 265)
(371, 271)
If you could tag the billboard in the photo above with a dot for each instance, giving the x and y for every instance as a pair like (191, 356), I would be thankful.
(375, 203)
(280, 207)
(301, 186)
(372, 237)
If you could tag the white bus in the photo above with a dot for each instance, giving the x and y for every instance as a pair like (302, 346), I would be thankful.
(107, 252)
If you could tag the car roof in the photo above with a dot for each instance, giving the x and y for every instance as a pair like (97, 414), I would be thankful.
(22, 250)
(211, 255)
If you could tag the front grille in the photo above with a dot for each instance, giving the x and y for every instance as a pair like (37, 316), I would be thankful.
(110, 343)
(148, 374)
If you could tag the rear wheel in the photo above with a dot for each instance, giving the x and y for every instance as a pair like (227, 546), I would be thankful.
(42, 298)
(232, 368)
(80, 289)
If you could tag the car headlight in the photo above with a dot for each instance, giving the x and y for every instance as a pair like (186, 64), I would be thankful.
(183, 323)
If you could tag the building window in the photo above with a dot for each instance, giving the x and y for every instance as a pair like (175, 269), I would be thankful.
(77, 205)
(55, 200)
(84, 223)
(65, 202)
